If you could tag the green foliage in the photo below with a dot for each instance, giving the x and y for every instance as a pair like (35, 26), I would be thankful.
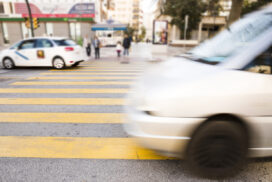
(213, 7)
(143, 34)
(178, 9)
(130, 31)
(80, 41)
(252, 6)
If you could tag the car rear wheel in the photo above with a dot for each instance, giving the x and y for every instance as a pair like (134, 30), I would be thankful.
(8, 63)
(218, 149)
(58, 63)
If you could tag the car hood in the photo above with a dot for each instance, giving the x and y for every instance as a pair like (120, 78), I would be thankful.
(174, 72)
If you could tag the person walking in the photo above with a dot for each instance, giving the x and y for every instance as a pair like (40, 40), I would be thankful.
(87, 45)
(119, 49)
(96, 45)
(126, 45)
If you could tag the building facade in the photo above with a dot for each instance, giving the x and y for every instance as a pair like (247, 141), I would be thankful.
(65, 18)
(126, 12)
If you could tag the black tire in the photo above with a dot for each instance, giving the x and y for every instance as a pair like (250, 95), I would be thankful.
(76, 64)
(58, 63)
(8, 63)
(218, 149)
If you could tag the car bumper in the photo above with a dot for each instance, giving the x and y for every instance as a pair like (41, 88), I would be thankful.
(69, 64)
(166, 135)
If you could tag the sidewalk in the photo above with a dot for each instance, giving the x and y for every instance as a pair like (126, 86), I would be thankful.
(141, 50)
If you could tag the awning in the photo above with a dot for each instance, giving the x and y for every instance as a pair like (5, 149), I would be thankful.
(104, 27)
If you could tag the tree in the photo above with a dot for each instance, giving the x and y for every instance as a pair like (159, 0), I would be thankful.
(252, 6)
(178, 9)
(130, 31)
(143, 34)
(235, 12)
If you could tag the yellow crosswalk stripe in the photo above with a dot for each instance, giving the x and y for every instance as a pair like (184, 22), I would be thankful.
(62, 101)
(72, 83)
(62, 117)
(65, 91)
(74, 147)
(81, 78)
(95, 70)
(80, 73)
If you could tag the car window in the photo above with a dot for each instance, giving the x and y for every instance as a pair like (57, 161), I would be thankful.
(233, 39)
(65, 42)
(43, 43)
(15, 46)
(28, 44)
(262, 63)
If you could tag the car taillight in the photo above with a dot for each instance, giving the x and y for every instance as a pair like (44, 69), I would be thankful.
(69, 48)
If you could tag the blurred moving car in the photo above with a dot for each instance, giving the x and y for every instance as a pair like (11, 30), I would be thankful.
(213, 105)
(44, 51)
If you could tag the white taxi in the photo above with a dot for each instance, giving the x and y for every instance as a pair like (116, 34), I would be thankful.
(43, 52)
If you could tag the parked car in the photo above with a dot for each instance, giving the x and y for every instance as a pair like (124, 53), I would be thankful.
(213, 105)
(43, 51)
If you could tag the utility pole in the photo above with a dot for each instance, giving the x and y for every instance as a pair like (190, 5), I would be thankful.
(30, 18)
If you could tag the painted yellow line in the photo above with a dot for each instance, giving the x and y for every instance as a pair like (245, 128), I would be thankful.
(81, 78)
(94, 70)
(72, 83)
(64, 91)
(74, 147)
(62, 117)
(62, 101)
(79, 73)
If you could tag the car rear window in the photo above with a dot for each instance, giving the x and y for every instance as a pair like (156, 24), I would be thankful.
(65, 42)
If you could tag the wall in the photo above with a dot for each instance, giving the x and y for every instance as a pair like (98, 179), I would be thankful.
(14, 32)
(40, 31)
(61, 29)
(85, 29)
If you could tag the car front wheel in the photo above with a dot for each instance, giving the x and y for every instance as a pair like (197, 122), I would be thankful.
(218, 149)
(58, 63)
(8, 63)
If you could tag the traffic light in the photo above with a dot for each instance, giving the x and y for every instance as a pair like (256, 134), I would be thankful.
(27, 23)
(35, 23)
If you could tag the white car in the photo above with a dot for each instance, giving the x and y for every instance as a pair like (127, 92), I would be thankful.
(213, 105)
(43, 51)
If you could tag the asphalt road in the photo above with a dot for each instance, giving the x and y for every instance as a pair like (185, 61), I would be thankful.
(46, 135)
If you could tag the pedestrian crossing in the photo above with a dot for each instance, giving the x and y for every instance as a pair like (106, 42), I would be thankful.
(55, 82)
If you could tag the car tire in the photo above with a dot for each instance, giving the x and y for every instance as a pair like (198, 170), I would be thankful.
(76, 64)
(8, 63)
(58, 63)
(218, 149)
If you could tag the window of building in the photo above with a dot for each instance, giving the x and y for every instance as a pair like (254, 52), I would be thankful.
(75, 31)
(2, 7)
(26, 32)
(11, 8)
(49, 29)
(5, 33)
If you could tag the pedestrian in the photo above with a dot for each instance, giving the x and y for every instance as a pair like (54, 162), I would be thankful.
(87, 45)
(97, 45)
(126, 45)
(119, 48)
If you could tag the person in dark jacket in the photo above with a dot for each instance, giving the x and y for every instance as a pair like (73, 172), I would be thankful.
(126, 45)
(97, 45)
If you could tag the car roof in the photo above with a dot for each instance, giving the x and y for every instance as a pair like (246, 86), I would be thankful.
(45, 37)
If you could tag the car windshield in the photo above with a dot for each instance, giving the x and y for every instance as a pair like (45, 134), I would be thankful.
(15, 46)
(65, 42)
(231, 40)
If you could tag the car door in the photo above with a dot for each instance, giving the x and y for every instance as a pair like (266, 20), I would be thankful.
(262, 66)
(25, 54)
(44, 51)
